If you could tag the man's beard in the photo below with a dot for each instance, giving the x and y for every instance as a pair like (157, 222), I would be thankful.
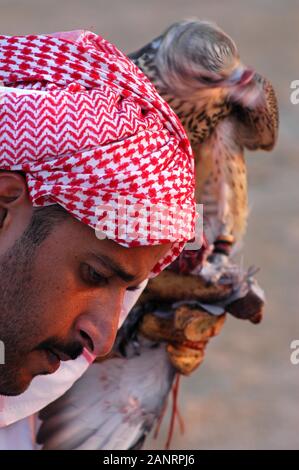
(19, 311)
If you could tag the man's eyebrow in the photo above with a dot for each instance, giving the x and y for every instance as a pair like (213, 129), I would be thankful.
(115, 267)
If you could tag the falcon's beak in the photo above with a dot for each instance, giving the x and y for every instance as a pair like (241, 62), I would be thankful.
(241, 76)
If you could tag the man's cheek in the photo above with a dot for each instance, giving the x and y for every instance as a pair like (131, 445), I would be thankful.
(56, 315)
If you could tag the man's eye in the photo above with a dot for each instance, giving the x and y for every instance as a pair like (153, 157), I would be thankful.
(93, 277)
(206, 79)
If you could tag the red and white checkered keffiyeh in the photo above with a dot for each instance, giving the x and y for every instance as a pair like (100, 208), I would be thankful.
(92, 134)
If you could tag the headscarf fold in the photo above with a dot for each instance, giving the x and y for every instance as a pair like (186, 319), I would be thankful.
(91, 133)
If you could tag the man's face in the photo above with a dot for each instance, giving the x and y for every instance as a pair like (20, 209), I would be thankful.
(64, 295)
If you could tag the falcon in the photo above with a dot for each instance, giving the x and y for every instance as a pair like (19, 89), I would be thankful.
(224, 106)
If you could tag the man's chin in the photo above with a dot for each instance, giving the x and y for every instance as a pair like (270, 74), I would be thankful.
(15, 387)
(14, 383)
(10, 390)
(15, 380)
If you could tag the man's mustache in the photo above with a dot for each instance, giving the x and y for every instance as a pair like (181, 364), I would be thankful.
(73, 349)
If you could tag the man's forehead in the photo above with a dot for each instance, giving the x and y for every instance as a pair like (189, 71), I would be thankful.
(142, 251)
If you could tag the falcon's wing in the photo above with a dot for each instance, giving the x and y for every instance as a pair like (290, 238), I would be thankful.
(112, 406)
(257, 123)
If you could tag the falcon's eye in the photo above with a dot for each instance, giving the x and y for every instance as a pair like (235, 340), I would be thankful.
(210, 80)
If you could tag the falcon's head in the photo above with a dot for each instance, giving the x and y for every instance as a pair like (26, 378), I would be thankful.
(195, 54)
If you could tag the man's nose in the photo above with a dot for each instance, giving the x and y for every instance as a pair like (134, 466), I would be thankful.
(96, 329)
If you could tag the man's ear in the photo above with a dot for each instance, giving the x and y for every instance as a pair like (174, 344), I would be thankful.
(15, 205)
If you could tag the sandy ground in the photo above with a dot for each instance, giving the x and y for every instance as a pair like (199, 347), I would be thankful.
(246, 394)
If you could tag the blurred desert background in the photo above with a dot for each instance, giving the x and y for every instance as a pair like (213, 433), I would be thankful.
(246, 394)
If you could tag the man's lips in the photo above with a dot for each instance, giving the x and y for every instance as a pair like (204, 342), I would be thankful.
(54, 357)
(60, 354)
